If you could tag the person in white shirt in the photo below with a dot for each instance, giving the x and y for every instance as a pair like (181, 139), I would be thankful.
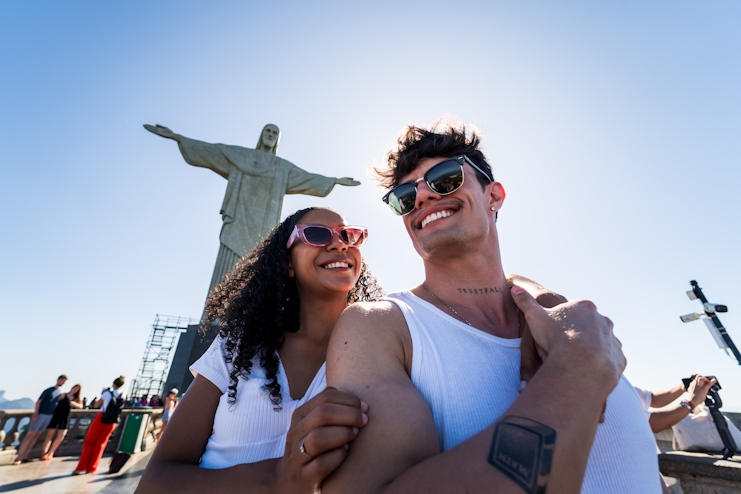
(440, 365)
(668, 416)
(257, 416)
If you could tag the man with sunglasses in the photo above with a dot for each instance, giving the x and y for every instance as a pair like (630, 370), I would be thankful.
(440, 365)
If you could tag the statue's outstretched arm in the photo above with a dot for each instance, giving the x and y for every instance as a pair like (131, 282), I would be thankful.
(196, 153)
(162, 131)
(346, 181)
(303, 182)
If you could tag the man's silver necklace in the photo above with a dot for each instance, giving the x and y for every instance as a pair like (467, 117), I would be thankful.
(424, 285)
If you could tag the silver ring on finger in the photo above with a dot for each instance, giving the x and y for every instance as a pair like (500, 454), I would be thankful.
(303, 449)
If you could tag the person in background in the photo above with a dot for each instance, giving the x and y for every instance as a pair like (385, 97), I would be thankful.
(171, 401)
(84, 402)
(660, 420)
(59, 424)
(143, 401)
(99, 432)
(40, 419)
(155, 401)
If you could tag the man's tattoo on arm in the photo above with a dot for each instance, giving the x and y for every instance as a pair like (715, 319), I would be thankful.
(522, 449)
(480, 291)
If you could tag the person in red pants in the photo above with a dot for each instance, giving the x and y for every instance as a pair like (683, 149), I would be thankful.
(110, 403)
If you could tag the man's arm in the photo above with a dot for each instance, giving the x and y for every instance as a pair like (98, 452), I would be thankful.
(35, 415)
(398, 450)
(372, 363)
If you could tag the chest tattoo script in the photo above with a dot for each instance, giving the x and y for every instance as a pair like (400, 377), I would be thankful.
(480, 291)
(522, 449)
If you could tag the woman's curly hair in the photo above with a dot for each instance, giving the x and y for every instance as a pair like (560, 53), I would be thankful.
(257, 303)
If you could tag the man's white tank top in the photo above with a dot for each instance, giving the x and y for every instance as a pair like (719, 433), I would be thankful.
(470, 378)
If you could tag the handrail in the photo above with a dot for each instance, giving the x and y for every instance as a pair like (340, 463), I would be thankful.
(14, 425)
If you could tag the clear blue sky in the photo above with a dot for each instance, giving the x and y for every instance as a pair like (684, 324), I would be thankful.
(614, 127)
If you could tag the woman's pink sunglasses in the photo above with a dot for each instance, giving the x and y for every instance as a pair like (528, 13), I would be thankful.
(321, 236)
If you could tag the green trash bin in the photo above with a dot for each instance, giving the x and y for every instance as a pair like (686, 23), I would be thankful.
(133, 433)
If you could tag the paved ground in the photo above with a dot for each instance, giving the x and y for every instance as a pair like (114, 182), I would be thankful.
(46, 477)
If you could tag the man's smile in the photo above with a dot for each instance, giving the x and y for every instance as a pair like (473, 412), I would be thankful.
(436, 213)
(436, 216)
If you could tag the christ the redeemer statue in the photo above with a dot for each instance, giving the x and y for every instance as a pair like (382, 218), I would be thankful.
(258, 180)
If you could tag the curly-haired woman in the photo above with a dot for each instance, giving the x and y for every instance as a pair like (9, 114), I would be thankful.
(257, 417)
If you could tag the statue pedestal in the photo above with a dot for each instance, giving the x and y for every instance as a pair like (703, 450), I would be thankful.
(191, 346)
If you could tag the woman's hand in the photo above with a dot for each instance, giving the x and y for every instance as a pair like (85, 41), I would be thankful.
(533, 356)
(323, 428)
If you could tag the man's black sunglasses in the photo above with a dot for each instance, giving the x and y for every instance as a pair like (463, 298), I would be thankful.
(444, 178)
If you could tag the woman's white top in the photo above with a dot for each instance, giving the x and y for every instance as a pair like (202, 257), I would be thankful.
(250, 430)
(106, 397)
(470, 378)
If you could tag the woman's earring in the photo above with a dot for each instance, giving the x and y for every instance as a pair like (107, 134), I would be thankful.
(493, 208)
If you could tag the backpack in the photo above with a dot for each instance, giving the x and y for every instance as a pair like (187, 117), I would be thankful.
(110, 416)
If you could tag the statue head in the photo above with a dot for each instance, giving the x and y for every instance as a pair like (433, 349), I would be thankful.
(269, 138)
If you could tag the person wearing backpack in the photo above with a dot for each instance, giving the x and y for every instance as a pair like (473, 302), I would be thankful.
(110, 403)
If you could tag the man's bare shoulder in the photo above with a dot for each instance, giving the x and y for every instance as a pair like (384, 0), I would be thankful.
(363, 320)
(370, 356)
(375, 311)
(368, 331)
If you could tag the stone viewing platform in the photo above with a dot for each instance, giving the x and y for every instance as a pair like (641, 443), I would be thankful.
(13, 421)
(37, 477)
(688, 473)
(54, 476)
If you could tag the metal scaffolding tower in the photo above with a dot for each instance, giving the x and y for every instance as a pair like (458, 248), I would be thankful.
(158, 355)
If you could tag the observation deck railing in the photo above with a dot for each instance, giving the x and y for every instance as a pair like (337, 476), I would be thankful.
(14, 425)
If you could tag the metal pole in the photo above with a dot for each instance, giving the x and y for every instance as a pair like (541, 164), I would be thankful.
(714, 317)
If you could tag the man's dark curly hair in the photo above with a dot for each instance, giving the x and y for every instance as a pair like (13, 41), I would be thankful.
(446, 138)
(257, 303)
